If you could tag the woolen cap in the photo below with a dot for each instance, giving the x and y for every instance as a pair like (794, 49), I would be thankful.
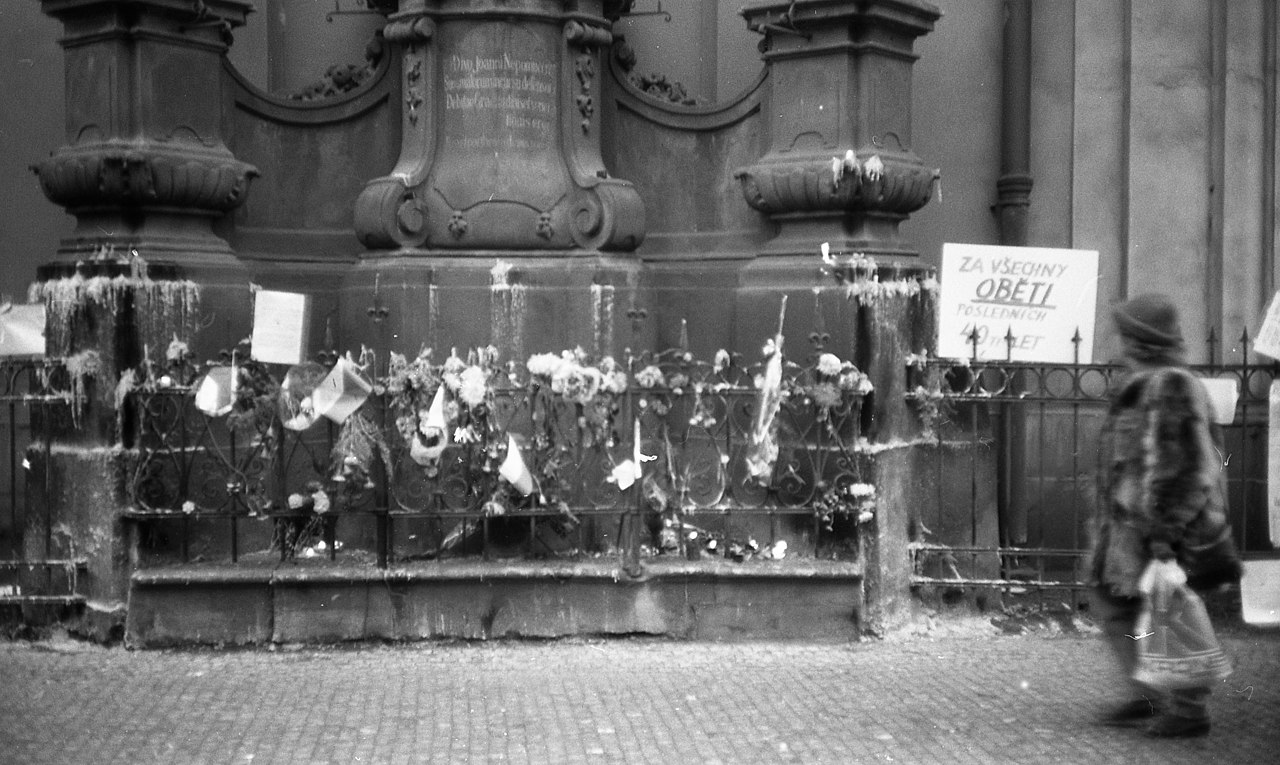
(1151, 319)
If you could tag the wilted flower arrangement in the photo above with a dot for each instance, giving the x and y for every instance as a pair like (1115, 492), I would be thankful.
(854, 501)
(476, 433)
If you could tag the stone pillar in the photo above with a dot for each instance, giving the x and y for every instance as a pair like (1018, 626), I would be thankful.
(839, 169)
(144, 167)
(499, 223)
(147, 176)
(840, 82)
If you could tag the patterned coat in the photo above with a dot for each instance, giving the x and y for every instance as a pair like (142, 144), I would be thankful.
(1161, 484)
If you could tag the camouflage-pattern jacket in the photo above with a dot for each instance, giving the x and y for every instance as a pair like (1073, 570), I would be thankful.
(1161, 484)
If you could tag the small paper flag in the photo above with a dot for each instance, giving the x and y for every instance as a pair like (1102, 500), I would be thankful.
(514, 470)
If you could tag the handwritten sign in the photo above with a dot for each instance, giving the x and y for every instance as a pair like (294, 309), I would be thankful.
(1268, 338)
(1038, 296)
(280, 322)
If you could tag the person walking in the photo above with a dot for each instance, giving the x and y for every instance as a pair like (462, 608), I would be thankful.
(1161, 497)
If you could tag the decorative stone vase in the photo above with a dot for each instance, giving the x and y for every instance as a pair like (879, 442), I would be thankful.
(839, 167)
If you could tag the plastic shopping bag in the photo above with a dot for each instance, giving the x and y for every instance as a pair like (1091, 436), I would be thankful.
(1176, 645)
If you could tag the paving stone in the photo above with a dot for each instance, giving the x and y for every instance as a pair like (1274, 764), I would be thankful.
(951, 699)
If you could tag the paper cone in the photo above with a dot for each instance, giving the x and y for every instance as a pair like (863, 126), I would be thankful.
(217, 391)
(22, 330)
(514, 470)
(342, 392)
(435, 415)
(1222, 399)
(433, 433)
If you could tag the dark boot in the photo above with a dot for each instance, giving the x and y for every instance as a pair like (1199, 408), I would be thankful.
(1130, 713)
(1171, 726)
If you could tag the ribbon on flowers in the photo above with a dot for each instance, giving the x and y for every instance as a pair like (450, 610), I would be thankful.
(627, 472)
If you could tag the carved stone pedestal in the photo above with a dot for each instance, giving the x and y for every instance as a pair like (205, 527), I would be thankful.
(144, 167)
(498, 222)
(839, 167)
(501, 136)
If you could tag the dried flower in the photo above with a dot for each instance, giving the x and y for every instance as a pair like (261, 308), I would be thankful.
(452, 371)
(473, 386)
(650, 377)
(825, 395)
(577, 383)
(177, 350)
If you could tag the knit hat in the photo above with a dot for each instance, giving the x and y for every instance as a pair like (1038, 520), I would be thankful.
(1151, 319)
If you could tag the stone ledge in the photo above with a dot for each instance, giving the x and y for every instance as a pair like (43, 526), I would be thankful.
(319, 570)
(325, 602)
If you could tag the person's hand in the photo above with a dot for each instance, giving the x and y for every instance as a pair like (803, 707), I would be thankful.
(1161, 574)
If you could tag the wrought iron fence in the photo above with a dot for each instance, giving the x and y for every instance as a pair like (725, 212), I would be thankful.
(244, 486)
(1016, 448)
(36, 395)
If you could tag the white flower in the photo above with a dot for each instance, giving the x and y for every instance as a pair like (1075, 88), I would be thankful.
(473, 386)
(862, 490)
(829, 364)
(864, 385)
(873, 168)
(614, 382)
(544, 364)
(722, 360)
(649, 377)
(577, 383)
(465, 435)
(452, 372)
(297, 501)
(837, 168)
(188, 507)
(321, 502)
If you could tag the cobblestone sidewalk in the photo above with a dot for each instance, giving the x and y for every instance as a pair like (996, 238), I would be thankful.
(989, 699)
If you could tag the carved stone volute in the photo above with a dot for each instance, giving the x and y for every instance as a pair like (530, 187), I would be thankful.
(839, 167)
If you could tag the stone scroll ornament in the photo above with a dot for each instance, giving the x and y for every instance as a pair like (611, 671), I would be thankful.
(501, 132)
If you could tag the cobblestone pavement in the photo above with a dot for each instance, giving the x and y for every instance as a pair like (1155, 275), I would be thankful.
(941, 699)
